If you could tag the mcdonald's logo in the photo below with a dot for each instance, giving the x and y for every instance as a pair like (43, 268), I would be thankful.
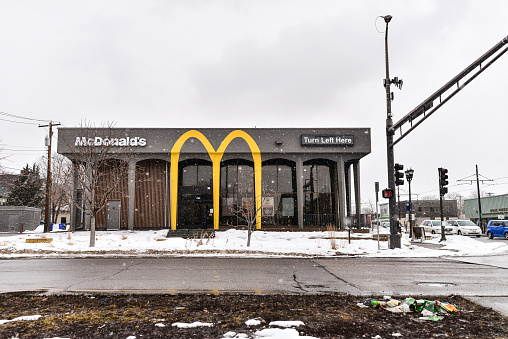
(215, 156)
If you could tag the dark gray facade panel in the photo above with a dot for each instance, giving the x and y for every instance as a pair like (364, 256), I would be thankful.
(281, 141)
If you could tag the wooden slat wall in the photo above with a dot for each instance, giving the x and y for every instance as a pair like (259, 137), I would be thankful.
(151, 199)
(121, 193)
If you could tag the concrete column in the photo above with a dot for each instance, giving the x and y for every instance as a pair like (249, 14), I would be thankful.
(358, 200)
(74, 210)
(168, 196)
(299, 190)
(131, 193)
(347, 183)
(341, 187)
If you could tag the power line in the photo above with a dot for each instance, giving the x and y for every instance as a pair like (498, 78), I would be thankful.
(19, 122)
(23, 150)
(7, 145)
(24, 118)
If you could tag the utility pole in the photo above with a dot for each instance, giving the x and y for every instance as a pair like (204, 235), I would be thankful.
(479, 199)
(47, 220)
(478, 192)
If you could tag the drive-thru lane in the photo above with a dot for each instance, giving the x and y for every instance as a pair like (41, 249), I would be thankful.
(471, 277)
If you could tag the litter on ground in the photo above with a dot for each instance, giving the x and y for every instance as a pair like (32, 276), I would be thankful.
(429, 310)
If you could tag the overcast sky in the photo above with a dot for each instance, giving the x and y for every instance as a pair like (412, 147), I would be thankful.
(239, 64)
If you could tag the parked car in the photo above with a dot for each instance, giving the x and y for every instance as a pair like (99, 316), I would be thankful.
(497, 228)
(466, 227)
(434, 227)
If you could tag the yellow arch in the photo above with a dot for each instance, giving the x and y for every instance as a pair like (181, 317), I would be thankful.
(216, 157)
(256, 155)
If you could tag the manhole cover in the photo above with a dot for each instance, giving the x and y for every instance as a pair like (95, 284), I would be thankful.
(435, 284)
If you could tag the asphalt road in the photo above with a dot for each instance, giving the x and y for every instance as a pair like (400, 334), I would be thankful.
(482, 279)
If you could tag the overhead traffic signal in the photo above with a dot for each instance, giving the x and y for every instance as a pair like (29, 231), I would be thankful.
(443, 180)
(399, 176)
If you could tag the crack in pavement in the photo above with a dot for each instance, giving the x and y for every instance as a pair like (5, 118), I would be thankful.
(125, 267)
(339, 278)
(298, 285)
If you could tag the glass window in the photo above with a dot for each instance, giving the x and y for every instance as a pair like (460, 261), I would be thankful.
(269, 174)
(231, 179)
(223, 179)
(237, 187)
(189, 176)
(325, 203)
(324, 179)
(288, 206)
(319, 205)
(309, 178)
(205, 175)
(246, 179)
(268, 206)
(284, 179)
(228, 206)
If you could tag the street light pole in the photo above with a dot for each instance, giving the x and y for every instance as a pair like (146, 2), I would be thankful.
(394, 239)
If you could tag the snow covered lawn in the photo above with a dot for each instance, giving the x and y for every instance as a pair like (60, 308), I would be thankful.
(233, 243)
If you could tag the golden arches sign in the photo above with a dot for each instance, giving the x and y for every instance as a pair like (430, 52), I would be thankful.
(216, 156)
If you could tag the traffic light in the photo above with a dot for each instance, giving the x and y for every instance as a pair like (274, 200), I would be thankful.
(387, 193)
(399, 176)
(443, 180)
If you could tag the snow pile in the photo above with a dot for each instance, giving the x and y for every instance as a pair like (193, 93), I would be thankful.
(287, 332)
(23, 318)
(191, 325)
(234, 243)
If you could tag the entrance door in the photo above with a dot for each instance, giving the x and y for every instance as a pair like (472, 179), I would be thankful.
(195, 211)
(113, 215)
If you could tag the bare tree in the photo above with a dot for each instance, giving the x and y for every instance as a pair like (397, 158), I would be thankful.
(2, 157)
(474, 194)
(248, 212)
(100, 168)
(370, 208)
(245, 209)
(61, 183)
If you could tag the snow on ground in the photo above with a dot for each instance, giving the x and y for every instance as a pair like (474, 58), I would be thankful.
(234, 243)
(23, 318)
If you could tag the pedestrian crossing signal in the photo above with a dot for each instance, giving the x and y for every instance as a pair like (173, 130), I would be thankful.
(387, 193)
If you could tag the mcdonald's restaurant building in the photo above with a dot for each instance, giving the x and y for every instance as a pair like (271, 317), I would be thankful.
(297, 178)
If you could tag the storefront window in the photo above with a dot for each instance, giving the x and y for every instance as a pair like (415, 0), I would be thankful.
(195, 198)
(237, 191)
(319, 207)
(279, 193)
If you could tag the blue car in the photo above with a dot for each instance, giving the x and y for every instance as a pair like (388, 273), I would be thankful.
(497, 228)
